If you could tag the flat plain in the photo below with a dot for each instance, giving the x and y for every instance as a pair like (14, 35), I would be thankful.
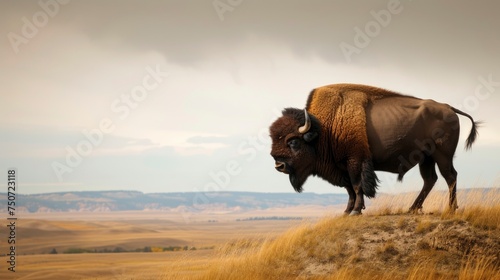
(107, 241)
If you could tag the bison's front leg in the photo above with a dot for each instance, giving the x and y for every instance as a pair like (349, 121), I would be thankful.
(359, 204)
(364, 179)
(352, 199)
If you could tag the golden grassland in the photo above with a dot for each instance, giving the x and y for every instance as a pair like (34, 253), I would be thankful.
(384, 243)
(105, 266)
(39, 233)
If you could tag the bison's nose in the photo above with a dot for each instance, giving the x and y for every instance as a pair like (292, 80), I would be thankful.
(280, 166)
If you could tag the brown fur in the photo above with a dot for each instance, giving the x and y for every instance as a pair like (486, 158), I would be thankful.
(341, 109)
(357, 129)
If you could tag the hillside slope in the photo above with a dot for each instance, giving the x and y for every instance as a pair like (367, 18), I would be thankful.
(370, 247)
(383, 243)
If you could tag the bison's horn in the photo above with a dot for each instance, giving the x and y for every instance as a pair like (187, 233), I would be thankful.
(305, 128)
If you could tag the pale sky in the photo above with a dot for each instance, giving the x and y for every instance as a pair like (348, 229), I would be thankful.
(169, 96)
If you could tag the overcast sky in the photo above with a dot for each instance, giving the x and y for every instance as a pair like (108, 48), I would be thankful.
(168, 96)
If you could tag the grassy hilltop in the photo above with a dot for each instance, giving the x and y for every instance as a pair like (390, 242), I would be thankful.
(384, 243)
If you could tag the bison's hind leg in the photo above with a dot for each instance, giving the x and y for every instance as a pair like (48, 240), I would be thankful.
(444, 161)
(428, 173)
(450, 175)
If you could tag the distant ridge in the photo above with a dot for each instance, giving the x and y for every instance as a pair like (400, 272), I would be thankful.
(104, 201)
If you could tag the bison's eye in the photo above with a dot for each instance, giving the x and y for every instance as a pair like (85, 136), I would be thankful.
(294, 144)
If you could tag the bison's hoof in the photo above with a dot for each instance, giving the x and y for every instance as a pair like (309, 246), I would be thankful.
(416, 211)
(355, 213)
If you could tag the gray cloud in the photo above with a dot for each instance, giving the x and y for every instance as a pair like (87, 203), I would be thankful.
(188, 31)
(446, 34)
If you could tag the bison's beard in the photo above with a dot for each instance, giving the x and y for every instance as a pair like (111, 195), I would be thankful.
(297, 181)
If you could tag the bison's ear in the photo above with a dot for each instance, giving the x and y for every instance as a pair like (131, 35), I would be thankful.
(309, 136)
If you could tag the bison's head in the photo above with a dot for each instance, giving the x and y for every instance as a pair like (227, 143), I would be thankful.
(294, 136)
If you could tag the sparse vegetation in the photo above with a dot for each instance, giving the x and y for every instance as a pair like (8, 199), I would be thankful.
(377, 245)
(146, 249)
(424, 226)
(77, 251)
(278, 218)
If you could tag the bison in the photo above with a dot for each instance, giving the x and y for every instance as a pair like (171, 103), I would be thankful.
(346, 132)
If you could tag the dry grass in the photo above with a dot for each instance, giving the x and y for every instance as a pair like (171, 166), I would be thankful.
(487, 218)
(39, 233)
(107, 266)
(382, 244)
(436, 202)
(478, 268)
(424, 226)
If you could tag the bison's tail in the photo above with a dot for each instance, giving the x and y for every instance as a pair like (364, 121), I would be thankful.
(473, 132)
(369, 180)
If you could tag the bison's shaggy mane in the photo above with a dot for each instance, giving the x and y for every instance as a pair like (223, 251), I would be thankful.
(341, 110)
(377, 93)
